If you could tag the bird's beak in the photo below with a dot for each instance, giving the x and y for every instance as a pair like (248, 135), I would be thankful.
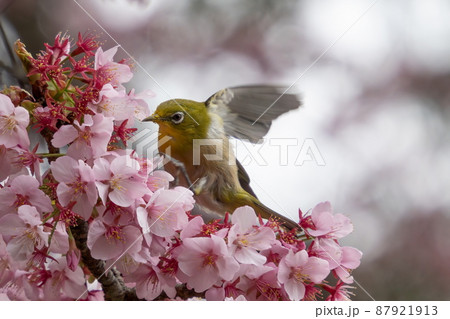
(151, 118)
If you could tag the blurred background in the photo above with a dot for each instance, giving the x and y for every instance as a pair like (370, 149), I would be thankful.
(375, 79)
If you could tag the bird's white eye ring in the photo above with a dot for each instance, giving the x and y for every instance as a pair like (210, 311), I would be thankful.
(177, 117)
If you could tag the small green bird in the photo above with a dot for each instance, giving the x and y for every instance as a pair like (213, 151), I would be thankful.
(196, 134)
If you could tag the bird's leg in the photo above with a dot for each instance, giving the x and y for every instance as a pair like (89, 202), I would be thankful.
(198, 188)
(180, 168)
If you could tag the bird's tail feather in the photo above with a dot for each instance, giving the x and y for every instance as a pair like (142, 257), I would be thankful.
(266, 213)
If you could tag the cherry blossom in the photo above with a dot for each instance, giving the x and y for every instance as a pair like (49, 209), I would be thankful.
(323, 223)
(261, 283)
(340, 292)
(246, 240)
(159, 179)
(64, 283)
(88, 140)
(13, 124)
(340, 259)
(120, 105)
(25, 232)
(29, 159)
(23, 190)
(110, 241)
(8, 164)
(76, 183)
(6, 269)
(297, 269)
(150, 281)
(351, 259)
(206, 261)
(109, 71)
(166, 211)
(119, 180)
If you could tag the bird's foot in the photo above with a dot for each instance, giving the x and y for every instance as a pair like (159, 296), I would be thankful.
(198, 188)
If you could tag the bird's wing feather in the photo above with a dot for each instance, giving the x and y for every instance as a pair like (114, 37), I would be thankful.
(240, 107)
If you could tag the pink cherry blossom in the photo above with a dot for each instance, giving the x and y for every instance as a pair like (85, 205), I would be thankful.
(166, 211)
(206, 261)
(351, 259)
(29, 159)
(88, 140)
(260, 282)
(215, 294)
(227, 290)
(159, 179)
(64, 282)
(327, 249)
(60, 242)
(323, 223)
(13, 124)
(245, 240)
(8, 163)
(120, 105)
(338, 293)
(26, 232)
(109, 71)
(275, 253)
(130, 260)
(113, 103)
(112, 213)
(340, 259)
(110, 241)
(23, 190)
(119, 180)
(76, 183)
(141, 109)
(193, 228)
(6, 269)
(20, 287)
(150, 281)
(296, 269)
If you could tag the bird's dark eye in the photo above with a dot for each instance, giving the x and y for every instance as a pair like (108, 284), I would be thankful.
(177, 117)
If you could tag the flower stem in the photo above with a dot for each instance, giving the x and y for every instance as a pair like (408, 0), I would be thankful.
(47, 155)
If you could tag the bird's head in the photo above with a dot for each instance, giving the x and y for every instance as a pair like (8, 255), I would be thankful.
(182, 121)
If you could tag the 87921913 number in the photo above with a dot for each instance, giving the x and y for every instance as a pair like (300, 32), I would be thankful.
(406, 310)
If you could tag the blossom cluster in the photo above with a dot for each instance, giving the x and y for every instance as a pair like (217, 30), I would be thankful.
(137, 223)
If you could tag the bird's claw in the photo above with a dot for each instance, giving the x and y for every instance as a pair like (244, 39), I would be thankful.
(198, 188)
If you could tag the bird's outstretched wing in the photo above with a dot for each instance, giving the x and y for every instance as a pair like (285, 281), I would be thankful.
(248, 111)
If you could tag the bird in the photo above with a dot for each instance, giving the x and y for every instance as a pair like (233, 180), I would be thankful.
(195, 137)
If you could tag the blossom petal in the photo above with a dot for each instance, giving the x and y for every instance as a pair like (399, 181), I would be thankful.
(245, 217)
(295, 290)
(64, 136)
(65, 169)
